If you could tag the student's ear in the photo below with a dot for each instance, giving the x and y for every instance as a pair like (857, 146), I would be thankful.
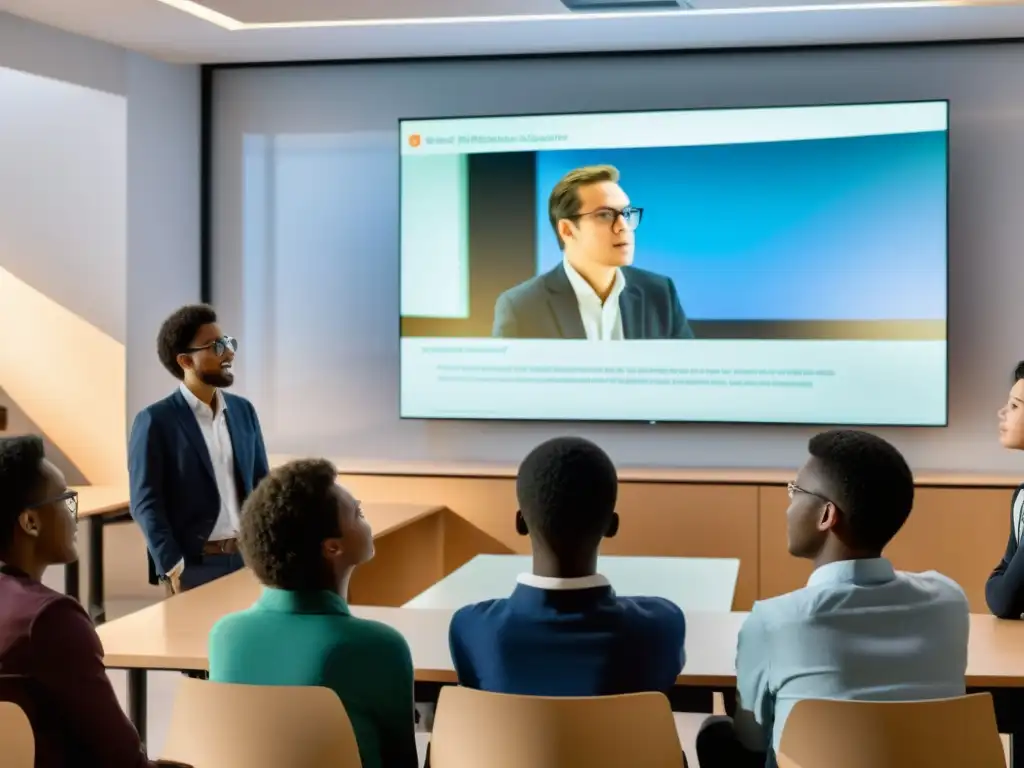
(521, 528)
(613, 526)
(333, 548)
(29, 523)
(829, 517)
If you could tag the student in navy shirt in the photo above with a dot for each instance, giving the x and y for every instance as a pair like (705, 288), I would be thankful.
(564, 631)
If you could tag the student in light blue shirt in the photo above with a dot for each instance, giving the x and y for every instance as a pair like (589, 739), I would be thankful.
(859, 630)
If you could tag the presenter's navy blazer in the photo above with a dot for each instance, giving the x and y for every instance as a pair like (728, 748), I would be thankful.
(545, 307)
(568, 642)
(174, 496)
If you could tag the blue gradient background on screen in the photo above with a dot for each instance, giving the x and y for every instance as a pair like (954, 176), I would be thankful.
(824, 229)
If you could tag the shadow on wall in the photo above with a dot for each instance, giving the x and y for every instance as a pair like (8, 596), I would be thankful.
(64, 378)
(18, 423)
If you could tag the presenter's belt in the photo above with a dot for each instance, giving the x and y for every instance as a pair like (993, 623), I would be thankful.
(222, 547)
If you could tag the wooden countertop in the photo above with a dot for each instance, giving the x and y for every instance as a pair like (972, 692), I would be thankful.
(636, 474)
(101, 499)
(173, 635)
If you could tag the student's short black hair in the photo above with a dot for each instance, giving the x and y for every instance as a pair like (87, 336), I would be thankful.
(177, 333)
(1018, 372)
(567, 488)
(869, 481)
(21, 461)
(285, 521)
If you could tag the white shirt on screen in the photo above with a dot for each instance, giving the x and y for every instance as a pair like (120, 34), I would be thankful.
(214, 427)
(601, 322)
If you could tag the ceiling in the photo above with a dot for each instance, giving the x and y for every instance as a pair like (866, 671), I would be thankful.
(235, 31)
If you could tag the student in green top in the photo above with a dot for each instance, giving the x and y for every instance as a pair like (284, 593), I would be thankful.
(302, 535)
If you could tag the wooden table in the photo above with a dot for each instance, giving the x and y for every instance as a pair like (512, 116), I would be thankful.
(97, 505)
(172, 635)
(692, 583)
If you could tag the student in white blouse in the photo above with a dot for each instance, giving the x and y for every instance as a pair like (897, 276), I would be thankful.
(1004, 591)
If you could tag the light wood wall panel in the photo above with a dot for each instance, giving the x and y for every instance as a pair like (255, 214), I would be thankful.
(960, 532)
(407, 561)
(658, 519)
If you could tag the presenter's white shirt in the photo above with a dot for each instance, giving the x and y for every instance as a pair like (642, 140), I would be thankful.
(601, 321)
(214, 426)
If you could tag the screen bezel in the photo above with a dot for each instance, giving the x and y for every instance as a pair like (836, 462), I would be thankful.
(691, 421)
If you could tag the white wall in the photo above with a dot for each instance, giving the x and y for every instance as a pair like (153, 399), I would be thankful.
(311, 280)
(122, 252)
(163, 213)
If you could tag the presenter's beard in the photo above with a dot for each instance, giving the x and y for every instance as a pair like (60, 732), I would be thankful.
(220, 380)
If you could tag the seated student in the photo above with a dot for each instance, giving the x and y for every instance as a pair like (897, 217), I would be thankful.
(302, 535)
(859, 630)
(49, 650)
(1004, 591)
(564, 631)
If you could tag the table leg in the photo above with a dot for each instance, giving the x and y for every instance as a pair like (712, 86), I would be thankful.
(137, 692)
(1016, 750)
(96, 599)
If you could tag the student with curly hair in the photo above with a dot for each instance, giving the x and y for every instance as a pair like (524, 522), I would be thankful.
(303, 535)
(194, 456)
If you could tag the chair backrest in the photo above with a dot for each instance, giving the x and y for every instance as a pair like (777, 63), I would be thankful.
(17, 743)
(892, 734)
(473, 729)
(223, 725)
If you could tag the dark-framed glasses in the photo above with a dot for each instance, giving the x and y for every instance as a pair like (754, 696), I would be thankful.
(218, 346)
(69, 499)
(631, 215)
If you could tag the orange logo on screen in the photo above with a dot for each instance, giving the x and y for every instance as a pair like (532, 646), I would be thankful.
(414, 140)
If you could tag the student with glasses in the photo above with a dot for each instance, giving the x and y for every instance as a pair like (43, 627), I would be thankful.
(194, 456)
(595, 293)
(51, 660)
(860, 630)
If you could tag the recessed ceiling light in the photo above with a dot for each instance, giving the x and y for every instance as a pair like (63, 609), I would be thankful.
(234, 25)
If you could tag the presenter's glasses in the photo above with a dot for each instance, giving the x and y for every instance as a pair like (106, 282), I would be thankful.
(218, 347)
(632, 216)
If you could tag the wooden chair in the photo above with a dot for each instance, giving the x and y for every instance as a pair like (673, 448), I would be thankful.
(222, 725)
(892, 734)
(474, 729)
(17, 743)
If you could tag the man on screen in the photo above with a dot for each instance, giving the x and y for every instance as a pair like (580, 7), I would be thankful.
(594, 293)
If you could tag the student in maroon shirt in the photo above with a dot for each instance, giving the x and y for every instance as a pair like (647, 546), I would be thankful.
(51, 660)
